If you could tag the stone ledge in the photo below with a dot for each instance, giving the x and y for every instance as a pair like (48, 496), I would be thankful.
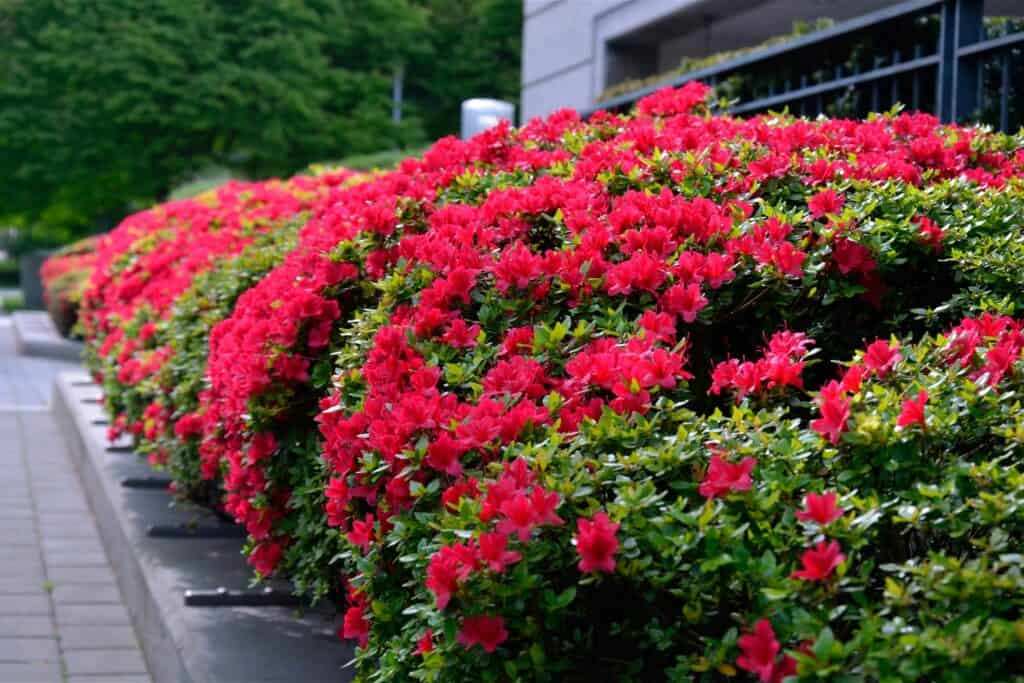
(187, 644)
(36, 335)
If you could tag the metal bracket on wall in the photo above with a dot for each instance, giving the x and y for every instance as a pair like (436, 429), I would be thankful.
(195, 531)
(222, 597)
(145, 482)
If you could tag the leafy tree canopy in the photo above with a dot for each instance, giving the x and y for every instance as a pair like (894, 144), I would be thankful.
(108, 105)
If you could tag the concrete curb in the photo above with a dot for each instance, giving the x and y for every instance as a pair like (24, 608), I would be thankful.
(36, 335)
(186, 644)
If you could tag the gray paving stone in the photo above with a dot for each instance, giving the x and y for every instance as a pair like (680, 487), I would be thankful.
(21, 585)
(61, 513)
(26, 627)
(20, 514)
(92, 638)
(21, 537)
(92, 615)
(73, 559)
(50, 530)
(101, 662)
(86, 594)
(33, 672)
(12, 568)
(19, 554)
(29, 650)
(129, 678)
(67, 496)
(25, 605)
(77, 575)
(72, 544)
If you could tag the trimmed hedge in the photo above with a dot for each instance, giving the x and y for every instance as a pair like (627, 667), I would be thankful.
(668, 396)
(64, 277)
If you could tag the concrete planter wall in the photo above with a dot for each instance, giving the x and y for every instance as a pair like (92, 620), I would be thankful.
(31, 285)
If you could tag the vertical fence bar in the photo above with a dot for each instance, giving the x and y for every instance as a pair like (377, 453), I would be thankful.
(894, 90)
(1004, 92)
(947, 62)
(915, 83)
(968, 17)
(957, 86)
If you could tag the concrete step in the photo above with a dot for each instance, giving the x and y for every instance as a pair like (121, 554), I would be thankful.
(36, 335)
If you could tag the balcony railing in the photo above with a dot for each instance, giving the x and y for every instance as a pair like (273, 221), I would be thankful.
(928, 55)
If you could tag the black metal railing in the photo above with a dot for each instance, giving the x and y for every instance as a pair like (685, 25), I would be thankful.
(941, 56)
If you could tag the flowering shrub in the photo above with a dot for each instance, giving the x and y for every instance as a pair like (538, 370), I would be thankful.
(64, 277)
(150, 260)
(661, 397)
(177, 384)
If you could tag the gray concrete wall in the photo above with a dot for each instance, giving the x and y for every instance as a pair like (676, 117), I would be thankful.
(564, 60)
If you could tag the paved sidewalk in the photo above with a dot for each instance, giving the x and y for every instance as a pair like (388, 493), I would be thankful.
(61, 614)
(25, 381)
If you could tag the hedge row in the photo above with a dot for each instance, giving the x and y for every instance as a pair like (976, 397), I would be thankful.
(64, 277)
(667, 396)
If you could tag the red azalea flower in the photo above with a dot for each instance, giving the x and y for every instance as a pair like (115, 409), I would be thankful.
(596, 543)
(783, 669)
(820, 508)
(362, 533)
(356, 625)
(835, 411)
(820, 561)
(519, 517)
(852, 378)
(494, 553)
(426, 643)
(787, 259)
(449, 567)
(454, 494)
(487, 632)
(825, 202)
(265, 557)
(851, 257)
(443, 454)
(544, 505)
(913, 410)
(930, 233)
(760, 649)
(684, 300)
(717, 269)
(724, 477)
(880, 357)
(630, 398)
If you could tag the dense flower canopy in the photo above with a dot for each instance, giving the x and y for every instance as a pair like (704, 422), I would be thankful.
(649, 397)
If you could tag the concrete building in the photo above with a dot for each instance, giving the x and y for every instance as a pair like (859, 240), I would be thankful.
(575, 49)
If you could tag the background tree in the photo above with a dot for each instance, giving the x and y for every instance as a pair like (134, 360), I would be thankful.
(476, 50)
(106, 106)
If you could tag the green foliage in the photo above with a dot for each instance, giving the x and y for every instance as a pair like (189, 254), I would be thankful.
(475, 50)
(109, 105)
(373, 161)
(10, 275)
(12, 302)
(204, 181)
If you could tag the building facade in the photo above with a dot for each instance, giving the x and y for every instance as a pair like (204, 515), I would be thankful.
(589, 54)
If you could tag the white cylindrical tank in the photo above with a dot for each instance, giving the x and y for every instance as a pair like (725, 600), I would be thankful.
(479, 114)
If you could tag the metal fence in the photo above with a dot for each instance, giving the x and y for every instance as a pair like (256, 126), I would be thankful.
(941, 56)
